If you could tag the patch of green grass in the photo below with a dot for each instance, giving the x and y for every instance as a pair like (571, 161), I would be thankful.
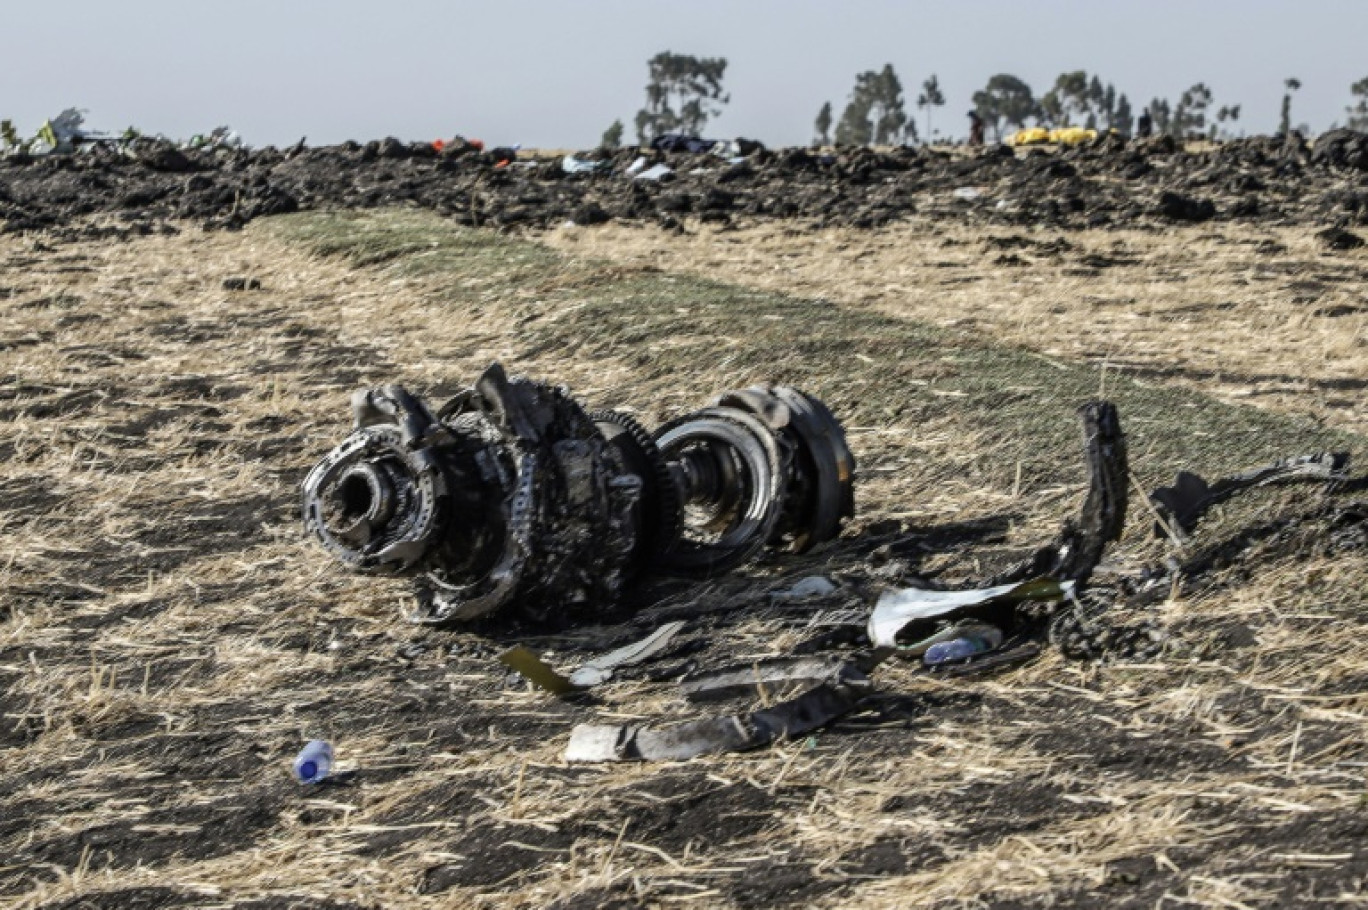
(677, 334)
(407, 242)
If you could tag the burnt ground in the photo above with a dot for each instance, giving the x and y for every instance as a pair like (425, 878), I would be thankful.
(168, 640)
(1110, 183)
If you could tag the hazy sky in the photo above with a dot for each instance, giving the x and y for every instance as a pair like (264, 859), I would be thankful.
(555, 73)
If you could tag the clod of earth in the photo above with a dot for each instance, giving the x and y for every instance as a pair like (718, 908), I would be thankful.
(1340, 239)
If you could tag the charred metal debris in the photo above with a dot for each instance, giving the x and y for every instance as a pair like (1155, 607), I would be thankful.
(513, 496)
(513, 499)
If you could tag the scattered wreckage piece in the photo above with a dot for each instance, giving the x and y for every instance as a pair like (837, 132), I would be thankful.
(1323, 528)
(768, 678)
(573, 164)
(964, 639)
(534, 669)
(1004, 656)
(513, 493)
(1103, 518)
(912, 620)
(1090, 628)
(1183, 505)
(810, 588)
(594, 672)
(812, 710)
(66, 134)
(909, 621)
(600, 669)
(1084, 631)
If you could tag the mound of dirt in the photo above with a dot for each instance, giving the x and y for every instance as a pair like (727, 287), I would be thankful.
(1111, 182)
(1342, 148)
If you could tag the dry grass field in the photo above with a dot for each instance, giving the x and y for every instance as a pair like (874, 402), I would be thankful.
(168, 638)
(1259, 315)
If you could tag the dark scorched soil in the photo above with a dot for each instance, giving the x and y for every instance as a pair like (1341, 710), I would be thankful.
(1110, 182)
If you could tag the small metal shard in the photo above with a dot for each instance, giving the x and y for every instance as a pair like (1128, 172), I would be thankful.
(911, 616)
(534, 669)
(769, 678)
(810, 588)
(1185, 503)
(600, 669)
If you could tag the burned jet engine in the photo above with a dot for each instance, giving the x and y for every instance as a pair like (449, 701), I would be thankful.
(511, 495)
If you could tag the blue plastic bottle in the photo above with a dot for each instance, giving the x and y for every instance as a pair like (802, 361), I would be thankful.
(314, 762)
(973, 641)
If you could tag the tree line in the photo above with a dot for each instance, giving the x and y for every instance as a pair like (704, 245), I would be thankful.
(684, 92)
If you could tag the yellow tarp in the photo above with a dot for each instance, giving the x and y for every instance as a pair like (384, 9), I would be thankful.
(1072, 135)
(1029, 137)
(1038, 135)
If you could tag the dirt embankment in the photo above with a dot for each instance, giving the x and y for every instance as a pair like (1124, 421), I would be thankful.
(1112, 182)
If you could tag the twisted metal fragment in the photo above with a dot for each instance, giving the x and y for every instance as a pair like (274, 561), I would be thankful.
(512, 495)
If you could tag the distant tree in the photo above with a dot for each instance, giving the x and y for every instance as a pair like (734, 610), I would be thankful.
(682, 93)
(1227, 114)
(1077, 98)
(875, 112)
(890, 117)
(854, 127)
(1285, 126)
(1123, 121)
(1189, 116)
(612, 137)
(1161, 114)
(1005, 100)
(823, 124)
(1068, 100)
(1097, 95)
(930, 97)
(1358, 112)
(1051, 109)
